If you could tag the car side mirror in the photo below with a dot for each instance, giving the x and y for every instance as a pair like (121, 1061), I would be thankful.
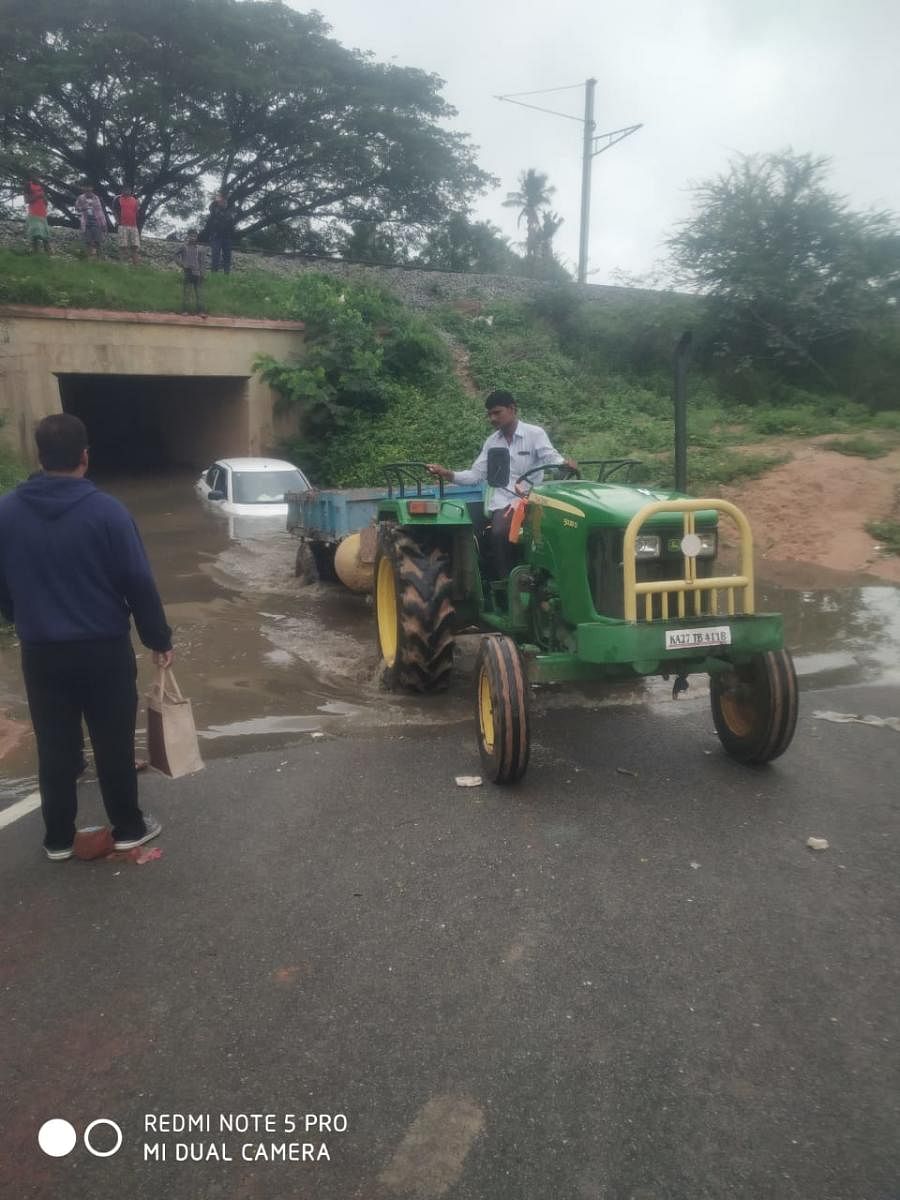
(216, 496)
(498, 466)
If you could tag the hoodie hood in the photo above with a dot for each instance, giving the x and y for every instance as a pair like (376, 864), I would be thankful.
(50, 496)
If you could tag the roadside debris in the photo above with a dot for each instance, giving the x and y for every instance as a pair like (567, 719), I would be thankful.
(145, 856)
(858, 719)
(815, 843)
(286, 974)
(317, 733)
(468, 781)
(625, 771)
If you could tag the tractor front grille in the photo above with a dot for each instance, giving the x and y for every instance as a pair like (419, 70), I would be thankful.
(604, 565)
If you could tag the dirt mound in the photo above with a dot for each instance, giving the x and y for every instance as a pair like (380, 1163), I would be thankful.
(814, 509)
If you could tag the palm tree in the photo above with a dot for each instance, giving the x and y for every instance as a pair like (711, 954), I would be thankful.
(533, 195)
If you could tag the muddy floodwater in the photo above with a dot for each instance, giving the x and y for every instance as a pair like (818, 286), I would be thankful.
(265, 660)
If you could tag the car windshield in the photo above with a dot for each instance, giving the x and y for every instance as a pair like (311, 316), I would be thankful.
(265, 487)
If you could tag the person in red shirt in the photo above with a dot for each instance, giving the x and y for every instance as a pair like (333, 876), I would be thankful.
(126, 207)
(36, 227)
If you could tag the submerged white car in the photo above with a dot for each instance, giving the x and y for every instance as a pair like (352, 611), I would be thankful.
(250, 487)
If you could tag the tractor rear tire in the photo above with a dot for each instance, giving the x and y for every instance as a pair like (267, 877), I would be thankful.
(754, 707)
(413, 613)
(502, 701)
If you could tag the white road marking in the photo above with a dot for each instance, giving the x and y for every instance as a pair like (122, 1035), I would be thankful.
(21, 808)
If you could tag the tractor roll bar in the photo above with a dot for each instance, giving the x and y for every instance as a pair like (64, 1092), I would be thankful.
(690, 584)
(611, 466)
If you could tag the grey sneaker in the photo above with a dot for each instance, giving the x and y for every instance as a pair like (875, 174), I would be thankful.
(154, 829)
(58, 855)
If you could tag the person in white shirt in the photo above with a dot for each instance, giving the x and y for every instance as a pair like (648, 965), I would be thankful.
(529, 446)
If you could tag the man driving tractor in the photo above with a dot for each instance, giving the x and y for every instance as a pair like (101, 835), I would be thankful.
(529, 447)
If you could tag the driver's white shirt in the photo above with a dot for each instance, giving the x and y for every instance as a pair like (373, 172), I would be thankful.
(529, 447)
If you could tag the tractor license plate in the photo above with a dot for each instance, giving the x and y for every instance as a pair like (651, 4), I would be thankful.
(690, 639)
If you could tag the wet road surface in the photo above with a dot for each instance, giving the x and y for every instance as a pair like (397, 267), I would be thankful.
(626, 979)
(595, 986)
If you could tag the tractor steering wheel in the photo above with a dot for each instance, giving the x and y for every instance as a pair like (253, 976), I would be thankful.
(567, 472)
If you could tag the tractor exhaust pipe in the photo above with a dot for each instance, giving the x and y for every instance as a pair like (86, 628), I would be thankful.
(682, 358)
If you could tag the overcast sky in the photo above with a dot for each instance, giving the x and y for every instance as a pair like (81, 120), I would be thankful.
(707, 78)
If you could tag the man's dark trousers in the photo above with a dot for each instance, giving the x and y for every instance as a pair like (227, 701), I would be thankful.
(97, 680)
(221, 251)
(504, 552)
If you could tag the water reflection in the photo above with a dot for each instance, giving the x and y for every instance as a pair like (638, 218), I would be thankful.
(846, 635)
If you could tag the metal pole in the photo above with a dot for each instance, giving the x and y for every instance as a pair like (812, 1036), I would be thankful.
(586, 164)
(682, 357)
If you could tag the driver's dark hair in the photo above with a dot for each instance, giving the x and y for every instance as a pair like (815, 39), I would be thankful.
(61, 440)
(500, 399)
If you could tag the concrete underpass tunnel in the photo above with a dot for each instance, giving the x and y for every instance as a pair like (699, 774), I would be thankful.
(155, 422)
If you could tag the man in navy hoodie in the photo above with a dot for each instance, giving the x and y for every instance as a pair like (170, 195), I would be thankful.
(73, 571)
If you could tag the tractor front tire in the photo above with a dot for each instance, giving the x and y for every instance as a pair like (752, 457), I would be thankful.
(502, 701)
(754, 707)
(413, 613)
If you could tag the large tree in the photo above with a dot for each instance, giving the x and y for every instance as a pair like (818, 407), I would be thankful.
(793, 273)
(178, 96)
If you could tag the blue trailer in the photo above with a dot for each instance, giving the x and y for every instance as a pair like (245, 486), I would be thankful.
(322, 518)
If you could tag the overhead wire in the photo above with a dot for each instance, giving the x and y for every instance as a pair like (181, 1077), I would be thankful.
(542, 91)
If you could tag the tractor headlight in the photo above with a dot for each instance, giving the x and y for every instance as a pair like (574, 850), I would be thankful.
(647, 545)
(708, 543)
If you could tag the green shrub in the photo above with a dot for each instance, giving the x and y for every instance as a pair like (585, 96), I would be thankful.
(800, 420)
(860, 447)
(887, 533)
(373, 381)
(12, 470)
(438, 426)
(886, 420)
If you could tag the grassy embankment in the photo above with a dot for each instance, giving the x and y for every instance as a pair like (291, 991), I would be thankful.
(63, 281)
(600, 379)
(597, 376)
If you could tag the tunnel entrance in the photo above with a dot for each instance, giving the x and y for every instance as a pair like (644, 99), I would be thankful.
(148, 423)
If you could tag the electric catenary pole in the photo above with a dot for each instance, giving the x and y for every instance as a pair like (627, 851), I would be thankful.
(593, 144)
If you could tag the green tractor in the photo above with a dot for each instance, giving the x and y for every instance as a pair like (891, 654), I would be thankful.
(615, 582)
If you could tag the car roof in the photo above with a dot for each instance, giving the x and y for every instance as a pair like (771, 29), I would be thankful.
(256, 464)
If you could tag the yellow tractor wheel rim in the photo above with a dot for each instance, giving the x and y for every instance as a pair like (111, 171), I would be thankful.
(739, 712)
(485, 711)
(386, 605)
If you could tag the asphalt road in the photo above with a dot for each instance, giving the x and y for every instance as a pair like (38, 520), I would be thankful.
(598, 986)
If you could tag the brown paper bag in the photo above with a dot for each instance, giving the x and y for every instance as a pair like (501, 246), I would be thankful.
(171, 735)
